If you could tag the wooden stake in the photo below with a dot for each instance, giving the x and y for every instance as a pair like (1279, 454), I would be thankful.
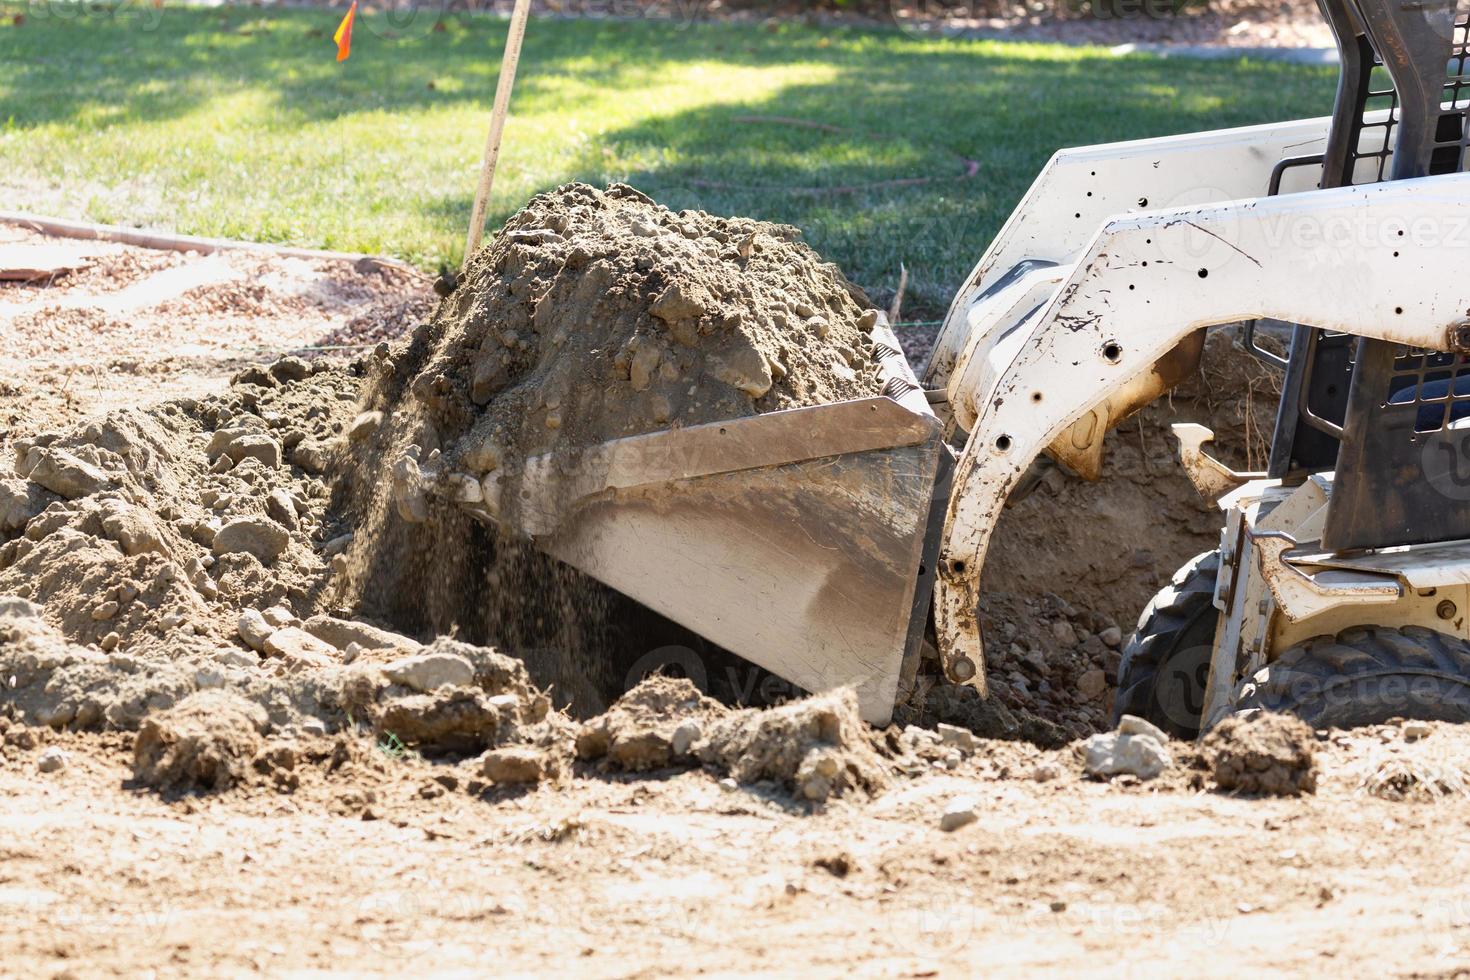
(503, 85)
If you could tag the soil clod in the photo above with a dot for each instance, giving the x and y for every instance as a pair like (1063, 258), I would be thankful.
(1267, 754)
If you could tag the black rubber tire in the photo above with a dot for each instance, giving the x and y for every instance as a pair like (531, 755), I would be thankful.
(1167, 659)
(1365, 676)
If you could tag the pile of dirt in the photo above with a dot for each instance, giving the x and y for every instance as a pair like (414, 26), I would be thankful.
(206, 741)
(599, 314)
(202, 712)
(591, 315)
(147, 525)
(652, 726)
(815, 748)
(1046, 658)
(595, 315)
(458, 698)
(1264, 754)
(1403, 761)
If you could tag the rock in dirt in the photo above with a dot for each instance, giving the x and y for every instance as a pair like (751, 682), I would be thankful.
(364, 426)
(1413, 731)
(1092, 684)
(959, 812)
(14, 607)
(257, 536)
(457, 719)
(206, 741)
(280, 617)
(280, 508)
(342, 632)
(63, 473)
(1137, 748)
(240, 444)
(135, 530)
(291, 369)
(517, 764)
(431, 671)
(1266, 754)
(20, 500)
(253, 629)
(299, 648)
(52, 759)
(500, 710)
(956, 737)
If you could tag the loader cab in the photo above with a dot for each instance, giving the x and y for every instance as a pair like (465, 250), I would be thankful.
(1381, 416)
(1341, 590)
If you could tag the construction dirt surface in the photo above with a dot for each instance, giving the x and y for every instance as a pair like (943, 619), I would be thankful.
(230, 744)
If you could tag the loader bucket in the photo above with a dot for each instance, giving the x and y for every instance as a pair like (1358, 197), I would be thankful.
(801, 540)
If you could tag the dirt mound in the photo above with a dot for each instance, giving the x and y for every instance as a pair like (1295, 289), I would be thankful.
(815, 748)
(1404, 776)
(599, 314)
(652, 726)
(457, 698)
(1262, 754)
(149, 524)
(206, 741)
(594, 315)
(591, 315)
(818, 747)
(1403, 761)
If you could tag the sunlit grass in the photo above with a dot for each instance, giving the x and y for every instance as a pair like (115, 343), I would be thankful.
(238, 122)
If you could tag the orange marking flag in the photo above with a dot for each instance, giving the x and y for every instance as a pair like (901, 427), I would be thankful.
(343, 37)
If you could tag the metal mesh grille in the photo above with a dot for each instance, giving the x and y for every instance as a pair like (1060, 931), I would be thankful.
(1374, 144)
(1433, 385)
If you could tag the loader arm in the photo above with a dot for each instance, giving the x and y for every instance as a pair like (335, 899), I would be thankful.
(1082, 187)
(1382, 261)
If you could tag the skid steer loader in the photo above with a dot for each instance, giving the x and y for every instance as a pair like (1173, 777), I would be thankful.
(834, 545)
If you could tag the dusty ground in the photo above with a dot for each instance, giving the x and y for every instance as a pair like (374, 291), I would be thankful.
(363, 856)
(130, 325)
(674, 876)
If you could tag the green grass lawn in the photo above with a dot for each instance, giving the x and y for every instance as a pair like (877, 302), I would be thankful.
(238, 122)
